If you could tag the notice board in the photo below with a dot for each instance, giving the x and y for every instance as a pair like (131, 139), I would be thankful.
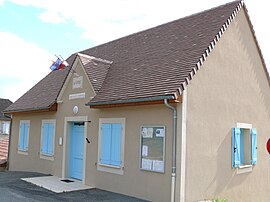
(153, 148)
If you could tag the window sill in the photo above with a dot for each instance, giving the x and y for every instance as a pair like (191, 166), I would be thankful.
(110, 169)
(109, 166)
(244, 169)
(23, 152)
(46, 157)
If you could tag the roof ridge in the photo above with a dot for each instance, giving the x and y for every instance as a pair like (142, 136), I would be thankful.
(212, 45)
(94, 58)
(159, 25)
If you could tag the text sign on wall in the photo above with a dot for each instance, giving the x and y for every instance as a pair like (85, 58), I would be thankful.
(77, 82)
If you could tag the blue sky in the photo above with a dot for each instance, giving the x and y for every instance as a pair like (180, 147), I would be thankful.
(64, 38)
(33, 31)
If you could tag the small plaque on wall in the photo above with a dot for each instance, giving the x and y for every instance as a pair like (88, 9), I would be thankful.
(77, 82)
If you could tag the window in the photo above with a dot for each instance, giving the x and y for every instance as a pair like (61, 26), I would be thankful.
(4, 129)
(47, 137)
(24, 136)
(111, 145)
(244, 145)
(152, 148)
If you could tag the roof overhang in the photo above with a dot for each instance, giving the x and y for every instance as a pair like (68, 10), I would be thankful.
(134, 102)
(51, 108)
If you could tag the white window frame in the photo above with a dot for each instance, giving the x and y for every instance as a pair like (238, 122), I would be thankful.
(109, 168)
(24, 152)
(5, 125)
(47, 156)
(245, 167)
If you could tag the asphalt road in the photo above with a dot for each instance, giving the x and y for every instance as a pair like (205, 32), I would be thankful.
(13, 189)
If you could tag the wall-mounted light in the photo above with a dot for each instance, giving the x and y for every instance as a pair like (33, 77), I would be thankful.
(75, 109)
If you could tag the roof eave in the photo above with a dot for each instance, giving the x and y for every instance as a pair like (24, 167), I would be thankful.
(103, 104)
(52, 107)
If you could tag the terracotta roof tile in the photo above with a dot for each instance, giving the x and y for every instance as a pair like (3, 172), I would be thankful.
(96, 69)
(3, 149)
(43, 95)
(154, 62)
(4, 103)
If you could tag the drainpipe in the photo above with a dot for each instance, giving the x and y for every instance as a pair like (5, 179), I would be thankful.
(9, 141)
(174, 150)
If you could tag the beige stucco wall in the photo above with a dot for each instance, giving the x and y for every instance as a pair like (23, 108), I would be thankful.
(32, 161)
(135, 182)
(230, 87)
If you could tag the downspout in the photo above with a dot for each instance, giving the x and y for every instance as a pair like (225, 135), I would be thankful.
(173, 150)
(9, 142)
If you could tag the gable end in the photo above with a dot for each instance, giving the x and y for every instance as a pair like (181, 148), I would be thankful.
(209, 49)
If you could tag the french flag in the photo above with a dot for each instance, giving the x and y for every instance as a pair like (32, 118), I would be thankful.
(58, 65)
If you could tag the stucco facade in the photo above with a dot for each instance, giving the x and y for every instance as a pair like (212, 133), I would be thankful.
(134, 181)
(231, 87)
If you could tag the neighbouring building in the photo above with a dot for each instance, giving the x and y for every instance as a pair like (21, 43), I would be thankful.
(178, 112)
(4, 118)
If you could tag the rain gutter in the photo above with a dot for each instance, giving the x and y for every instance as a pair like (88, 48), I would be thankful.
(168, 97)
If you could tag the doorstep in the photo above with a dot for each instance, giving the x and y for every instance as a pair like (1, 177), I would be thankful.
(56, 184)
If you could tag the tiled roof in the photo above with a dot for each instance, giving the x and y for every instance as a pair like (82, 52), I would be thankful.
(4, 103)
(153, 63)
(3, 149)
(96, 69)
(159, 61)
(43, 95)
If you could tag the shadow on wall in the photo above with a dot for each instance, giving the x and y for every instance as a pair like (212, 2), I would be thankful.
(225, 177)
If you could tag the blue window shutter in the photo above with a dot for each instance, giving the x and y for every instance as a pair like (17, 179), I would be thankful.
(26, 134)
(253, 146)
(116, 144)
(21, 141)
(106, 135)
(44, 145)
(236, 133)
(50, 138)
(241, 146)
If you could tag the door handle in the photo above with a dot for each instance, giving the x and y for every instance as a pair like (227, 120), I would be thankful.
(87, 140)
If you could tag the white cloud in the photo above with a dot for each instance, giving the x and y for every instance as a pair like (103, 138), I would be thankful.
(105, 20)
(259, 15)
(23, 62)
(51, 17)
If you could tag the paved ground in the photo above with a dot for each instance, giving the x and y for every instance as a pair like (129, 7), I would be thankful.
(13, 189)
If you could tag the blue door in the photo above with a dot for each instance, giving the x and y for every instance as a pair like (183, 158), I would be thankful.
(76, 150)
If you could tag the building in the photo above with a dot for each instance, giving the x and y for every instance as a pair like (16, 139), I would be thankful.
(4, 119)
(178, 112)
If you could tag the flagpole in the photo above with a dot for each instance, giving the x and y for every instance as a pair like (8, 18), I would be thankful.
(72, 70)
(63, 60)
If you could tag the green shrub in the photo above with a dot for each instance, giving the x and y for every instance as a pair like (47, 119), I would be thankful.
(220, 200)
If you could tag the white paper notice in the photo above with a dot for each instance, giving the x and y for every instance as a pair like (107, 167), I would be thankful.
(150, 132)
(160, 133)
(147, 164)
(144, 150)
(144, 132)
(158, 165)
